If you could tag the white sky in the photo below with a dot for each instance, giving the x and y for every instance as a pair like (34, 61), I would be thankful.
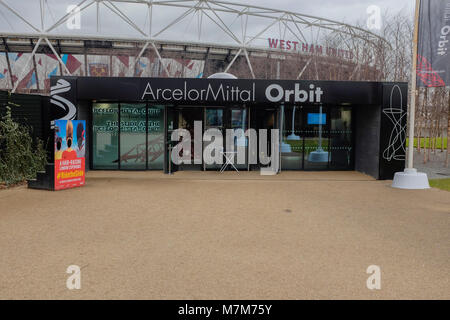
(349, 11)
(341, 10)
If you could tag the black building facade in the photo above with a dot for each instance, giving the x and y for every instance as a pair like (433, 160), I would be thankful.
(324, 125)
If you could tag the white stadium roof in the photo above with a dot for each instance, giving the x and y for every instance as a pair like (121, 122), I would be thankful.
(191, 29)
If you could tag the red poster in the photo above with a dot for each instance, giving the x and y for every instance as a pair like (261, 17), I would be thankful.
(69, 153)
(69, 173)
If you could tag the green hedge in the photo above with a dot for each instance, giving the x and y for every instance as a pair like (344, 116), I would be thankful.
(20, 157)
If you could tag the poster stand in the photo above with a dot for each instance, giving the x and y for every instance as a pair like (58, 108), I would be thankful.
(70, 149)
(68, 169)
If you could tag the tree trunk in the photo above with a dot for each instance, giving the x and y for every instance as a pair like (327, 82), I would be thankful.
(419, 134)
(434, 139)
(425, 147)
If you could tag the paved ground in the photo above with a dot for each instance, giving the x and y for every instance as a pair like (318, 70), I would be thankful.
(435, 168)
(197, 235)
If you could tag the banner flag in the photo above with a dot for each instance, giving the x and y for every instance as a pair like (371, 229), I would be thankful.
(70, 148)
(433, 58)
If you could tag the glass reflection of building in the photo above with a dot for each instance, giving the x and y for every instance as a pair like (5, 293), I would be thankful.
(127, 136)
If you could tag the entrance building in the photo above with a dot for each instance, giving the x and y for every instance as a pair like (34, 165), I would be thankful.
(324, 125)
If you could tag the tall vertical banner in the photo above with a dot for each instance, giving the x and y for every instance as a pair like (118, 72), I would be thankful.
(70, 150)
(433, 58)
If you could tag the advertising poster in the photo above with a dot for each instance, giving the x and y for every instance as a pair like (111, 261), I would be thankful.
(70, 144)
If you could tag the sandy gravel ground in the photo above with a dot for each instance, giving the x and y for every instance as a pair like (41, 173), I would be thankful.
(197, 235)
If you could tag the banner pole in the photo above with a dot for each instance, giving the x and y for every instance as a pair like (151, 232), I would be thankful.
(410, 178)
(412, 105)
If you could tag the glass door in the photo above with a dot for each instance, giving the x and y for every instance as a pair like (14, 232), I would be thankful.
(292, 142)
(155, 137)
(128, 136)
(223, 119)
(133, 135)
(239, 124)
(316, 138)
(263, 118)
(186, 120)
(213, 120)
(341, 138)
(105, 136)
(171, 125)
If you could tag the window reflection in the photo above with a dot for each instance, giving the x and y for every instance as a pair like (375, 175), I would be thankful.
(132, 136)
(341, 139)
(316, 134)
(213, 120)
(105, 129)
(239, 123)
(155, 137)
(292, 143)
(317, 138)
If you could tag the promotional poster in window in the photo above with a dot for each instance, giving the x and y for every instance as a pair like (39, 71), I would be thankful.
(70, 144)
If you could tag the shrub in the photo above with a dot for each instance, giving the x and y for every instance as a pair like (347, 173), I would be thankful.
(19, 160)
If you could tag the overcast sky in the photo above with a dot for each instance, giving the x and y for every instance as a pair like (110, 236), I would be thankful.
(341, 10)
(349, 11)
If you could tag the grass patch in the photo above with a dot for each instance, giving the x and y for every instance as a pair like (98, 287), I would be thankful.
(443, 184)
(426, 142)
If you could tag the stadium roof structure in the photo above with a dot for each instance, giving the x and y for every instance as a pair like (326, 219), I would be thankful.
(191, 29)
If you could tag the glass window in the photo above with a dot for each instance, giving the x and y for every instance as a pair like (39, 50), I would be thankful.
(187, 117)
(341, 139)
(316, 154)
(132, 136)
(292, 143)
(239, 121)
(155, 137)
(105, 135)
(264, 117)
(213, 120)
